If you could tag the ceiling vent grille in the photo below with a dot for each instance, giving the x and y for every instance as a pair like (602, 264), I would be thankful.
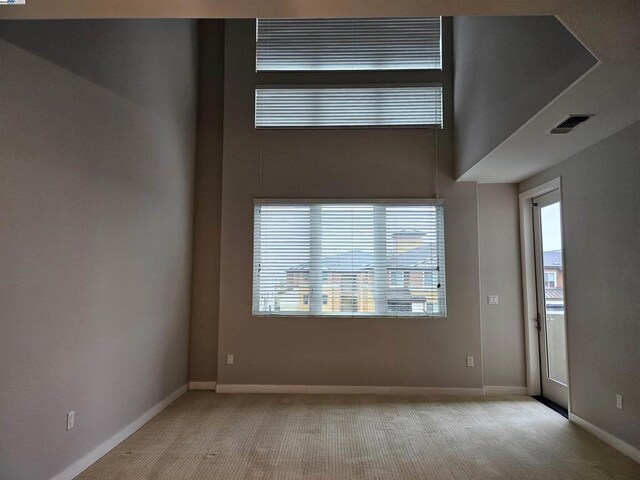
(570, 123)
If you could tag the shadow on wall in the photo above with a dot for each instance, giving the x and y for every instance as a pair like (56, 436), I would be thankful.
(76, 46)
(91, 86)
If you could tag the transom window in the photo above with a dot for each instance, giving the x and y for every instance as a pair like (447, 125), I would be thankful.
(339, 44)
(368, 258)
(381, 106)
(372, 72)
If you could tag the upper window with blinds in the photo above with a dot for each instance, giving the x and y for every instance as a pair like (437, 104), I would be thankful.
(348, 44)
(319, 107)
(333, 258)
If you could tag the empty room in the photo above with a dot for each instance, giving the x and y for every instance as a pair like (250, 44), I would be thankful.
(324, 240)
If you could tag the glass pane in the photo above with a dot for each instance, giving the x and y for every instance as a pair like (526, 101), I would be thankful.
(347, 259)
(413, 258)
(283, 279)
(554, 292)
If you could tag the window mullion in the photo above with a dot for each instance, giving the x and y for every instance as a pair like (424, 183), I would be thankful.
(315, 269)
(380, 259)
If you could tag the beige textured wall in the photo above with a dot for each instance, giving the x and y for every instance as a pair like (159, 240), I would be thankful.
(203, 356)
(339, 163)
(502, 324)
(96, 167)
(600, 198)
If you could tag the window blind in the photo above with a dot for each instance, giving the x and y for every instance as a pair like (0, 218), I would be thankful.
(333, 258)
(348, 44)
(348, 107)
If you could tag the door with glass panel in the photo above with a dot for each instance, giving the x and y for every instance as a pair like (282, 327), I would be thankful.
(550, 280)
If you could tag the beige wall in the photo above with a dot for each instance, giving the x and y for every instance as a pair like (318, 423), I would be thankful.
(203, 359)
(96, 166)
(502, 324)
(600, 198)
(339, 163)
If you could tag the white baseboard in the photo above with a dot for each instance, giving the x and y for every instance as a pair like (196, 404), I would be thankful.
(202, 386)
(620, 445)
(490, 390)
(344, 389)
(105, 447)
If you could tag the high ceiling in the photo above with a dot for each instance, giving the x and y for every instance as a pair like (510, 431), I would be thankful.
(608, 29)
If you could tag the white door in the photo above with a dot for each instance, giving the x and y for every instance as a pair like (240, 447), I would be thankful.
(550, 281)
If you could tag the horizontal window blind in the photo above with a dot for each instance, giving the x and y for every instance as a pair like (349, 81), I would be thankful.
(348, 107)
(369, 258)
(348, 44)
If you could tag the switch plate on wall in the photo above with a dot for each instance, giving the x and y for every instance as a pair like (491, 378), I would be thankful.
(492, 299)
(619, 401)
(71, 420)
(229, 358)
(469, 361)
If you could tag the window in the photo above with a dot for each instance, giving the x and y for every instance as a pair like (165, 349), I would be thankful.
(365, 258)
(395, 306)
(348, 304)
(550, 279)
(396, 278)
(376, 72)
(348, 107)
(348, 44)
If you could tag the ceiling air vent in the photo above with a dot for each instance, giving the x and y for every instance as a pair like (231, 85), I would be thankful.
(570, 123)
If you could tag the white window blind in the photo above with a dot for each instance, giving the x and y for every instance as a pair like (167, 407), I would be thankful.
(368, 258)
(348, 44)
(348, 107)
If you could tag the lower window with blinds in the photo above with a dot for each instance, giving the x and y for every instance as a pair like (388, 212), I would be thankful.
(349, 258)
(344, 107)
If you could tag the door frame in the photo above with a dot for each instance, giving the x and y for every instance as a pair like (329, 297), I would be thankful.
(529, 287)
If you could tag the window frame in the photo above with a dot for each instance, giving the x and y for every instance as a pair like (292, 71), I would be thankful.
(427, 88)
(555, 279)
(439, 68)
(442, 310)
(271, 79)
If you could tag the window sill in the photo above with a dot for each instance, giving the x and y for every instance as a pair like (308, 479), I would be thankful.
(344, 316)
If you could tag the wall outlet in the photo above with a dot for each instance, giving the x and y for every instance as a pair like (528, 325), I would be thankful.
(229, 358)
(71, 420)
(492, 299)
(618, 401)
(469, 361)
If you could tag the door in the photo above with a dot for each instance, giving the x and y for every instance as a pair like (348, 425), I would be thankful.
(550, 282)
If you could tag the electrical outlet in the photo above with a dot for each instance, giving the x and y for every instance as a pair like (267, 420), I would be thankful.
(469, 361)
(71, 420)
(619, 401)
(229, 358)
(492, 299)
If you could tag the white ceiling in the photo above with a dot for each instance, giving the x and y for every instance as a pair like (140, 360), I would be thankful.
(610, 91)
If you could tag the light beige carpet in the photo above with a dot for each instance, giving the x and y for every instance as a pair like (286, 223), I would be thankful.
(204, 435)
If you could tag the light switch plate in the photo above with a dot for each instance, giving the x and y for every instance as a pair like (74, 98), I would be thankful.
(492, 299)
(469, 361)
(229, 358)
(71, 420)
